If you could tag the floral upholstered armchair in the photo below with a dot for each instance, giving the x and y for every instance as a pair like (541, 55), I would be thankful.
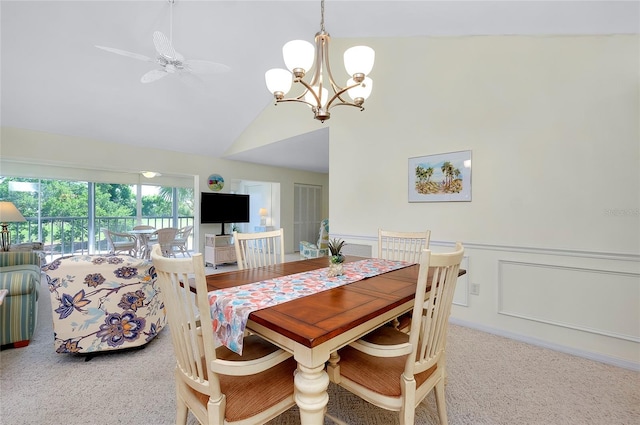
(102, 303)
(321, 247)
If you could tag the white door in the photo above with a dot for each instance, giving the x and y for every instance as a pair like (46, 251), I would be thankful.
(307, 213)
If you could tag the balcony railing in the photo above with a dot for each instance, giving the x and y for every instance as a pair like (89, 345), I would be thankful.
(70, 235)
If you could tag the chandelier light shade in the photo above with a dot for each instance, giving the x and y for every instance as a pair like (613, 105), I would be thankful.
(321, 92)
(8, 214)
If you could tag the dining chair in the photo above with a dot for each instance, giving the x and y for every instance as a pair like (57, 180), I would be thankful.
(259, 249)
(181, 239)
(143, 227)
(217, 385)
(403, 246)
(119, 243)
(163, 237)
(395, 370)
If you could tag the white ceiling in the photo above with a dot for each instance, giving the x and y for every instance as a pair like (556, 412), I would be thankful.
(54, 80)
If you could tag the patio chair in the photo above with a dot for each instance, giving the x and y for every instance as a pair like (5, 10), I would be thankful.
(164, 238)
(181, 239)
(121, 243)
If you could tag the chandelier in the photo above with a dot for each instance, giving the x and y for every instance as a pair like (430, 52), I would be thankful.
(299, 58)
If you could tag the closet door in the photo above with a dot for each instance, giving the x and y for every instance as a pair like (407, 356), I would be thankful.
(307, 213)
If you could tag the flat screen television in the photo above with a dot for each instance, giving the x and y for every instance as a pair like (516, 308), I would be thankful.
(224, 208)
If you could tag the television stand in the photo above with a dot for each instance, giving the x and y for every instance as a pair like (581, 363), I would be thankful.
(219, 249)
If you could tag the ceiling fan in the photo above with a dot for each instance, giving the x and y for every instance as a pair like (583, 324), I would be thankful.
(170, 61)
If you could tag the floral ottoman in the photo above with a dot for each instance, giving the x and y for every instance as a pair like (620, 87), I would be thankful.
(103, 302)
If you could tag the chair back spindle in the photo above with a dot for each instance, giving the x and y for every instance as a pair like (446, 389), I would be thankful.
(259, 249)
(402, 246)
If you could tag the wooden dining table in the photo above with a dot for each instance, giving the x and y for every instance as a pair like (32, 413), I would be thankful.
(314, 326)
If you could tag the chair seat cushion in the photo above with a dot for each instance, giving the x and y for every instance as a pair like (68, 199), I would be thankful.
(379, 374)
(249, 395)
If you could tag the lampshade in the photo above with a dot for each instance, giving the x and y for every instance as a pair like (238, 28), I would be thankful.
(361, 91)
(278, 80)
(9, 213)
(298, 54)
(263, 212)
(359, 60)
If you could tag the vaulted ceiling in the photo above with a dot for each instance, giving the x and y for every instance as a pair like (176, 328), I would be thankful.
(54, 79)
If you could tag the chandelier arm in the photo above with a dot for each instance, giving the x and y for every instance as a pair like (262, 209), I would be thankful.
(310, 89)
(338, 93)
(349, 104)
(296, 100)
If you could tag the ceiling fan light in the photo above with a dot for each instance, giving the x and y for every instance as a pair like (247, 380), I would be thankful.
(363, 90)
(150, 174)
(298, 54)
(359, 60)
(278, 80)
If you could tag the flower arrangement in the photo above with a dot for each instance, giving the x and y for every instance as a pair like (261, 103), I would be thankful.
(335, 248)
(336, 258)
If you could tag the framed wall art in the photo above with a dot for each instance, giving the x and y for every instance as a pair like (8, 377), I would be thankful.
(215, 182)
(443, 177)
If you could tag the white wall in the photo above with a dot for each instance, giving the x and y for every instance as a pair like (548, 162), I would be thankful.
(552, 233)
(37, 154)
(553, 228)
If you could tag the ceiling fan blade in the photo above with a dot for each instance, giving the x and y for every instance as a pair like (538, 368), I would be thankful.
(205, 67)
(125, 53)
(191, 80)
(153, 75)
(163, 45)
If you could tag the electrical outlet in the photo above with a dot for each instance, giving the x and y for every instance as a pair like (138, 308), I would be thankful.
(475, 289)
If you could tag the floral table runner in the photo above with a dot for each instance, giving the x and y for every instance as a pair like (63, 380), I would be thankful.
(230, 307)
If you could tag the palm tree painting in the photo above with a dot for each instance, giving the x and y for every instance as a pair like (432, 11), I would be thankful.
(441, 177)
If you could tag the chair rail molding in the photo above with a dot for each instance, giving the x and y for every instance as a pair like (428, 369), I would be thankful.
(601, 255)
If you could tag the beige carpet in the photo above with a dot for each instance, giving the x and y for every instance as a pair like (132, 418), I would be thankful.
(492, 380)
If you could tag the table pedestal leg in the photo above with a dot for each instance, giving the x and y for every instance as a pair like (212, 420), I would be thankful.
(311, 393)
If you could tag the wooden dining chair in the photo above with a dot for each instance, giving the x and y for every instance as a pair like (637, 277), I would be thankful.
(164, 238)
(403, 246)
(259, 249)
(395, 370)
(217, 385)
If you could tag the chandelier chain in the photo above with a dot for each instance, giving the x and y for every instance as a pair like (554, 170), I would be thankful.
(322, 15)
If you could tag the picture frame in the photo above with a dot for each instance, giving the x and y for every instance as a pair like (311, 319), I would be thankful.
(444, 177)
(215, 182)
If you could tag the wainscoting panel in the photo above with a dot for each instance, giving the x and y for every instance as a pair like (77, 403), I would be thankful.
(598, 301)
(360, 250)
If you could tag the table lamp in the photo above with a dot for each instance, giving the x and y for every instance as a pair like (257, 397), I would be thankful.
(263, 216)
(8, 214)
